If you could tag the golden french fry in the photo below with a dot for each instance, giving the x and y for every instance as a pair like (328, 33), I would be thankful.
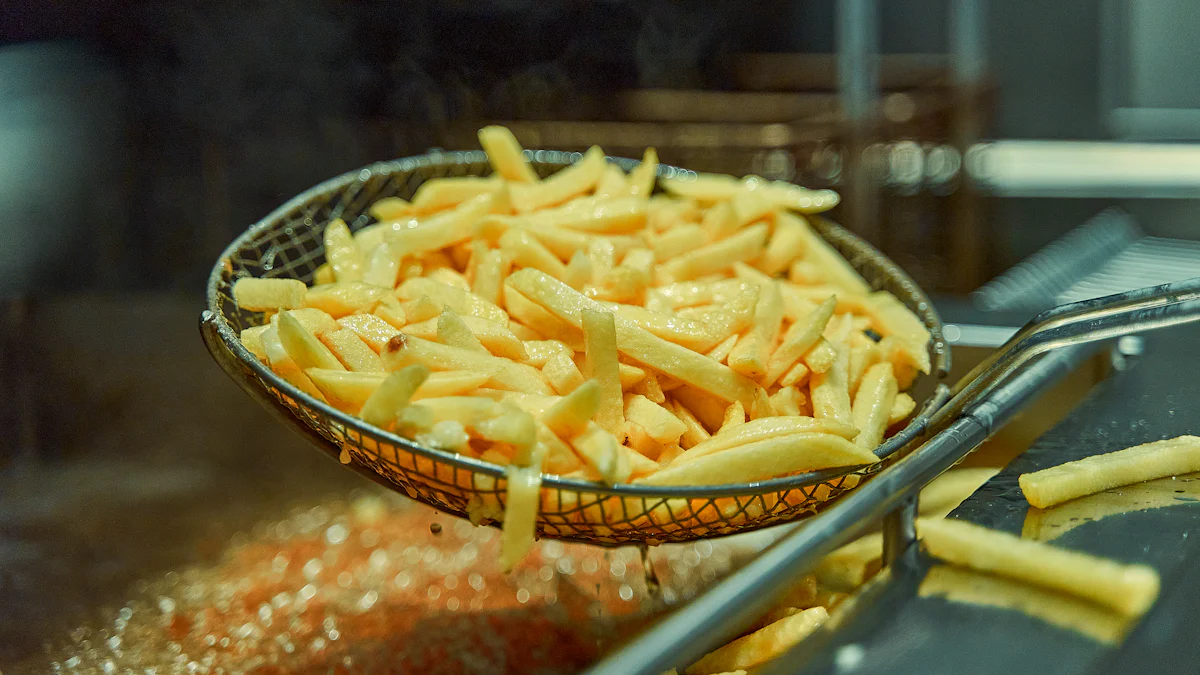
(391, 313)
(602, 452)
(677, 241)
(799, 338)
(344, 298)
(390, 208)
(403, 350)
(578, 271)
(708, 187)
(283, 365)
(351, 350)
(1170, 457)
(451, 330)
(818, 251)
(852, 565)
(304, 347)
(765, 429)
(830, 390)
(751, 354)
(650, 388)
(462, 302)
(522, 498)
(695, 433)
(489, 276)
(449, 277)
(795, 377)
(642, 177)
(721, 352)
(346, 390)
(323, 274)
(263, 295)
(787, 244)
(526, 251)
(746, 245)
(600, 342)
(570, 415)
(438, 194)
(762, 645)
(560, 187)
(630, 375)
(1129, 589)
(597, 216)
(707, 408)
(902, 407)
(735, 415)
(342, 252)
(370, 329)
(659, 423)
(787, 401)
(612, 183)
(563, 374)
(895, 320)
(539, 351)
(546, 324)
(820, 357)
(314, 320)
(691, 334)
(252, 340)
(505, 155)
(393, 394)
(382, 267)
(443, 229)
(497, 339)
(776, 456)
(873, 405)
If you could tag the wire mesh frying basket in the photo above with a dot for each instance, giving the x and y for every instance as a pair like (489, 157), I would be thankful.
(288, 244)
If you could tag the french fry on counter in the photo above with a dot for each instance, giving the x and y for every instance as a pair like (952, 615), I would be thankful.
(578, 324)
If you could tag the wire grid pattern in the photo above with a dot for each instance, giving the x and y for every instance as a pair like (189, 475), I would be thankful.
(288, 244)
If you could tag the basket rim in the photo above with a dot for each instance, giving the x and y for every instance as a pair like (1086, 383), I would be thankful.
(231, 341)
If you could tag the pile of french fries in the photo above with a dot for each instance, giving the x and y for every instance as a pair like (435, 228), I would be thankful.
(582, 326)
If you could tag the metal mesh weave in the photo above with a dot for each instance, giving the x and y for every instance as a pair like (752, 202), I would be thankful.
(288, 244)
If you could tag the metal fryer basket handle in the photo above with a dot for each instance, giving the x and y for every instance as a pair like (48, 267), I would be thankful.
(985, 399)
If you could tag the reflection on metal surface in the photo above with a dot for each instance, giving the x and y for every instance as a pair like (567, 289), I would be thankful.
(962, 585)
(1049, 524)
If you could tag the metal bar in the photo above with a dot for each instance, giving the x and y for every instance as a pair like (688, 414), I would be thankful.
(858, 85)
(726, 609)
(968, 41)
(900, 529)
(1085, 169)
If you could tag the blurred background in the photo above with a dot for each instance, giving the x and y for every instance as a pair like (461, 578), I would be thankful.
(138, 138)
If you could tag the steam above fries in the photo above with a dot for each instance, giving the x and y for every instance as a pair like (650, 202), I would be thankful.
(579, 324)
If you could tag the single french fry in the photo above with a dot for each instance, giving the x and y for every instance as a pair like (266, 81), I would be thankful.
(269, 295)
(382, 267)
(691, 334)
(449, 277)
(797, 376)
(505, 155)
(642, 176)
(346, 390)
(342, 252)
(451, 330)
(370, 329)
(735, 415)
(489, 276)
(283, 365)
(600, 342)
(695, 432)
(820, 357)
(751, 354)
(750, 206)
(570, 415)
(560, 187)
(787, 244)
(695, 293)
(304, 347)
(678, 362)
(658, 422)
(721, 352)
(344, 298)
(541, 321)
(403, 350)
(799, 338)
(323, 274)
(393, 394)
(744, 246)
(351, 351)
(596, 216)
(762, 645)
(497, 339)
(765, 429)
(873, 404)
(902, 407)
(436, 232)
(818, 251)
(451, 383)
(539, 351)
(563, 374)
(709, 409)
(612, 183)
(1129, 589)
(392, 314)
(462, 302)
(314, 320)
(677, 241)
(603, 453)
(522, 498)
(390, 208)
(650, 388)
(252, 340)
(526, 251)
(720, 222)
(895, 320)
(439, 194)
(630, 375)
(776, 456)
(578, 271)
(1058, 484)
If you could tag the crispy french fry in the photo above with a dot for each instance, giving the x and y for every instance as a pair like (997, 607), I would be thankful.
(677, 241)
(439, 194)
(796, 376)
(390, 208)
(539, 351)
(659, 423)
(346, 390)
(344, 298)
(831, 390)
(570, 415)
(751, 354)
(497, 339)
(252, 340)
(1129, 589)
(765, 429)
(603, 453)
(449, 277)
(650, 388)
(382, 267)
(462, 302)
(351, 351)
(558, 188)
(630, 375)
(324, 274)
(762, 645)
(709, 409)
(304, 347)
(612, 183)
(787, 401)
(1058, 484)
(283, 365)
(392, 314)
(393, 394)
(578, 271)
(314, 320)
(895, 320)
(600, 339)
(642, 177)
(820, 357)
(691, 334)
(522, 498)
(262, 295)
(403, 350)
(873, 404)
(735, 415)
(443, 229)
(695, 432)
(776, 456)
(787, 244)
(721, 352)
(451, 330)
(597, 216)
(746, 245)
(370, 329)
(526, 251)
(818, 251)
(505, 155)
(563, 374)
(852, 565)
(342, 253)
(799, 338)
(489, 276)
(902, 407)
